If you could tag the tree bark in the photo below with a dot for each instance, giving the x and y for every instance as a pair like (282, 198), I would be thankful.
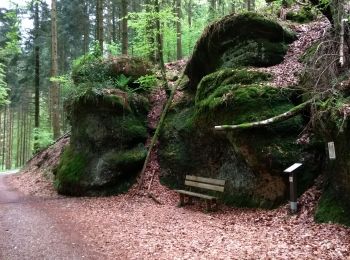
(159, 40)
(114, 25)
(4, 138)
(125, 27)
(54, 71)
(178, 30)
(9, 139)
(99, 23)
(212, 9)
(36, 71)
(86, 24)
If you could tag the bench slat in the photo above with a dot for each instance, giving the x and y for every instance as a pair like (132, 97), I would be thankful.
(195, 194)
(204, 186)
(205, 180)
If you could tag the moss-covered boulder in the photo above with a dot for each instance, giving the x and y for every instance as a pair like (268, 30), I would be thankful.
(238, 40)
(108, 132)
(304, 15)
(112, 70)
(252, 161)
(334, 126)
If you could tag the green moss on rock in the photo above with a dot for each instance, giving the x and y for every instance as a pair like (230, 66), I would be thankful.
(304, 15)
(332, 209)
(228, 76)
(70, 171)
(126, 161)
(240, 96)
(90, 68)
(255, 52)
(109, 126)
(251, 160)
(237, 40)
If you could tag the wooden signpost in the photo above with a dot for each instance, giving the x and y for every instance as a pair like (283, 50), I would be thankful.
(293, 186)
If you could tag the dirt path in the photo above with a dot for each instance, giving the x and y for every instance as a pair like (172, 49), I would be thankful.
(32, 229)
(135, 227)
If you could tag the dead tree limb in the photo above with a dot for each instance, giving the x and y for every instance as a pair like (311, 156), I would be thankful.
(156, 133)
(282, 117)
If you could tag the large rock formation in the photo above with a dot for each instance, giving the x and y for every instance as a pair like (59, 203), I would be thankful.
(234, 41)
(252, 161)
(108, 131)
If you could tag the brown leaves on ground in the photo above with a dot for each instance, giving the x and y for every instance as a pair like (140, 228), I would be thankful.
(286, 73)
(135, 227)
(36, 177)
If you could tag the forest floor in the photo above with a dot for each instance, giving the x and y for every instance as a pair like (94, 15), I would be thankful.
(46, 226)
(134, 226)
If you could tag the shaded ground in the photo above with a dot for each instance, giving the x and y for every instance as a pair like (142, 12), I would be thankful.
(134, 227)
(32, 229)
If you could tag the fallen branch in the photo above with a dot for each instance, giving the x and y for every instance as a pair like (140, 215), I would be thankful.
(282, 117)
(154, 198)
(156, 133)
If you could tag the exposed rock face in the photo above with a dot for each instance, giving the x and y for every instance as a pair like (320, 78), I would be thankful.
(221, 92)
(107, 141)
(334, 205)
(252, 161)
(244, 40)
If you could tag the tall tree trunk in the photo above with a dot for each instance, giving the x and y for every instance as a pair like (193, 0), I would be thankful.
(212, 9)
(249, 5)
(109, 20)
(189, 13)
(233, 7)
(1, 137)
(86, 24)
(54, 70)
(99, 23)
(114, 24)
(18, 139)
(36, 72)
(9, 138)
(23, 133)
(178, 30)
(4, 138)
(159, 39)
(150, 28)
(124, 27)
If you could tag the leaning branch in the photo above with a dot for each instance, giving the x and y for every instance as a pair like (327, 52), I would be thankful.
(282, 117)
(157, 132)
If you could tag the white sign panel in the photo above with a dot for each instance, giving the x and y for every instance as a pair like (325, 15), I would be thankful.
(293, 167)
(331, 150)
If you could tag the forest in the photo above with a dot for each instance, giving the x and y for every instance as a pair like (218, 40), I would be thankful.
(133, 111)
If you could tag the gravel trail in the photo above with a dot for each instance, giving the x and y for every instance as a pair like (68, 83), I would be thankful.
(32, 228)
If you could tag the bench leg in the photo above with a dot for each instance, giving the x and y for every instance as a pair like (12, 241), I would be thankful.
(190, 202)
(182, 200)
(216, 205)
(208, 205)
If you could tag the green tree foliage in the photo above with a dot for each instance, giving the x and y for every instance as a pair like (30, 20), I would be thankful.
(9, 50)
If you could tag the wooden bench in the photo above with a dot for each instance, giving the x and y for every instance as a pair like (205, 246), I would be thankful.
(203, 184)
